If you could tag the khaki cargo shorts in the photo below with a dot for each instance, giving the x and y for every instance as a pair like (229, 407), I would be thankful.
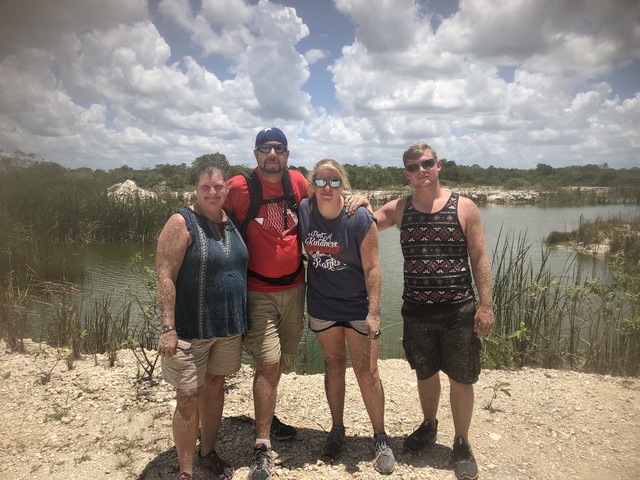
(195, 358)
(277, 324)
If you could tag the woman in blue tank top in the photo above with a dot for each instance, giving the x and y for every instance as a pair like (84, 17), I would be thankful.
(343, 301)
(201, 263)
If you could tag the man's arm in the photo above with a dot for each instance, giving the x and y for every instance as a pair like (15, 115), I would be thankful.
(390, 214)
(480, 267)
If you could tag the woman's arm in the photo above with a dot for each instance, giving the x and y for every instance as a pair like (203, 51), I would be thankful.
(172, 246)
(373, 278)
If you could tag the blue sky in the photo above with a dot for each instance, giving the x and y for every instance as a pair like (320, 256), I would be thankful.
(140, 83)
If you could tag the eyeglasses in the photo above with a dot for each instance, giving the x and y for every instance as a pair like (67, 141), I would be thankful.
(427, 164)
(322, 182)
(266, 148)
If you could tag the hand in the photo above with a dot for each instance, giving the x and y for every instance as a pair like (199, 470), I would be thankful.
(483, 320)
(372, 323)
(168, 343)
(352, 202)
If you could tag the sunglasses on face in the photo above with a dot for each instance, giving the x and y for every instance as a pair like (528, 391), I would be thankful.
(427, 164)
(266, 148)
(322, 182)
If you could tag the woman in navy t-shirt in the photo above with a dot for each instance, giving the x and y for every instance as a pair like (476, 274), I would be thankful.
(343, 301)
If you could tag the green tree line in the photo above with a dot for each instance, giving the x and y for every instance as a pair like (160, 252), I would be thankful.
(362, 177)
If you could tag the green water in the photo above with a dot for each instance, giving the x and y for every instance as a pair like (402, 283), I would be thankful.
(110, 268)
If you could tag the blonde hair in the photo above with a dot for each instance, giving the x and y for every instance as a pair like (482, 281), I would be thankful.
(333, 165)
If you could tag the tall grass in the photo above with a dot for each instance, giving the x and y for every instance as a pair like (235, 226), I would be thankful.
(570, 319)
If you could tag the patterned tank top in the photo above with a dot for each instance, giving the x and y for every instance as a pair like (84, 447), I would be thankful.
(436, 260)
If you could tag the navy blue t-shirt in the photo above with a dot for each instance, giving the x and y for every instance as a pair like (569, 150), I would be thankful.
(336, 288)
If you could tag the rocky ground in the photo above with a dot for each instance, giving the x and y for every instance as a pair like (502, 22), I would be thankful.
(96, 422)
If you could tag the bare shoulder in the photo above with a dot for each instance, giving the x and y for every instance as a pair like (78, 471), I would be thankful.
(175, 229)
(466, 206)
(468, 213)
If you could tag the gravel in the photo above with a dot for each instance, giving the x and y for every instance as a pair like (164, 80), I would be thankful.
(97, 422)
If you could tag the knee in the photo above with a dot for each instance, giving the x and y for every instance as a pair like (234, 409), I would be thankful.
(187, 402)
(369, 378)
(460, 387)
(335, 365)
(267, 372)
(214, 382)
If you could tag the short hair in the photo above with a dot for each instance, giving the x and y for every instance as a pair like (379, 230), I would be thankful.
(416, 151)
(331, 164)
(208, 169)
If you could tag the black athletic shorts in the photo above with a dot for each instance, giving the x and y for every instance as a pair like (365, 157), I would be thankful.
(441, 337)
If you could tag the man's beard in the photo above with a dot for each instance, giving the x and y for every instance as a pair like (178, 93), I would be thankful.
(271, 168)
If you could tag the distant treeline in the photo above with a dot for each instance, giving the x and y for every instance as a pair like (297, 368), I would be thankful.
(371, 177)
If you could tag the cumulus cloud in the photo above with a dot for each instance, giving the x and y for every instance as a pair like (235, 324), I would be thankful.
(315, 55)
(87, 82)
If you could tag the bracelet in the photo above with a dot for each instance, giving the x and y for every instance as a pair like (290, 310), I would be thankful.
(166, 329)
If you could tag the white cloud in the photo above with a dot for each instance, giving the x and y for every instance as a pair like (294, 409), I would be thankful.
(314, 55)
(101, 83)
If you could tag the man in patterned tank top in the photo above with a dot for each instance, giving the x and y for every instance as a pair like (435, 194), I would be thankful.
(444, 251)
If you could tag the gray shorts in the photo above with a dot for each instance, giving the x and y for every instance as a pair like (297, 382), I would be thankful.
(442, 338)
(277, 324)
(195, 358)
(316, 325)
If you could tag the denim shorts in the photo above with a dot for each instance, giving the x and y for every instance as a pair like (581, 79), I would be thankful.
(442, 338)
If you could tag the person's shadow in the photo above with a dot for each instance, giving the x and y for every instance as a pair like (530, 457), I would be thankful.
(237, 433)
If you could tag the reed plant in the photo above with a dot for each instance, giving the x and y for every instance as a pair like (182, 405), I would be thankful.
(14, 307)
(569, 319)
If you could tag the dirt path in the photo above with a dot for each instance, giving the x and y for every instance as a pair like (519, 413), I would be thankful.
(95, 422)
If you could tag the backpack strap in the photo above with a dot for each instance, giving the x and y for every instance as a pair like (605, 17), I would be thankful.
(255, 197)
(287, 186)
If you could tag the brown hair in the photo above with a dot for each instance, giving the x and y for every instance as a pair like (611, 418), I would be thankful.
(208, 170)
(416, 151)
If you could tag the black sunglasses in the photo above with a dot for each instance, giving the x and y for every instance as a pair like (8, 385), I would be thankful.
(266, 148)
(322, 182)
(427, 164)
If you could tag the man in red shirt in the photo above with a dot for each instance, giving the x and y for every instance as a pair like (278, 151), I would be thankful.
(275, 281)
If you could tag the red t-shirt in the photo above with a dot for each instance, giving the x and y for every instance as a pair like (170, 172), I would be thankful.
(273, 251)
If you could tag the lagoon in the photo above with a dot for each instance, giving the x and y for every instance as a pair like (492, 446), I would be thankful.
(110, 268)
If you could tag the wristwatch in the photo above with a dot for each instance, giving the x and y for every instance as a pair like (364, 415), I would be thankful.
(166, 329)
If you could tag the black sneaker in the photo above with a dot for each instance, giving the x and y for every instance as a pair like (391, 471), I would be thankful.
(217, 466)
(261, 468)
(282, 431)
(424, 435)
(333, 443)
(465, 466)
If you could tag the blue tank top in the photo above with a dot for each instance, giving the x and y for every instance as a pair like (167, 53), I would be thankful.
(436, 259)
(211, 298)
(336, 287)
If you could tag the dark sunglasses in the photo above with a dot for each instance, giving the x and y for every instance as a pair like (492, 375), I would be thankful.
(266, 148)
(427, 164)
(322, 182)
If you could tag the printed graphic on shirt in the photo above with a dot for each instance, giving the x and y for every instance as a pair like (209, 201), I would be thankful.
(321, 250)
(279, 219)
